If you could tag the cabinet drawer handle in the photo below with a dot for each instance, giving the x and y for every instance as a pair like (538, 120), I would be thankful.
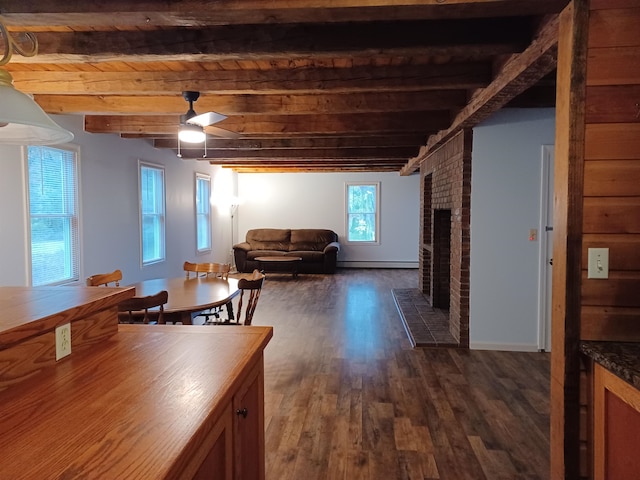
(242, 411)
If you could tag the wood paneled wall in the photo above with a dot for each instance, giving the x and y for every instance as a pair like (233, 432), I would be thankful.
(611, 308)
(597, 204)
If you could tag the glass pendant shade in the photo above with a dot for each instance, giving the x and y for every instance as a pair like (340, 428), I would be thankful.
(191, 133)
(23, 122)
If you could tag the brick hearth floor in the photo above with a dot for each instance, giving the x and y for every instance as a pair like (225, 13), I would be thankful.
(426, 326)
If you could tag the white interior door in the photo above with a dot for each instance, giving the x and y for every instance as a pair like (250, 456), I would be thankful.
(546, 248)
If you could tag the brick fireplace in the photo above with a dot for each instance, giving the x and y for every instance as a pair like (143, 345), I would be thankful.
(445, 231)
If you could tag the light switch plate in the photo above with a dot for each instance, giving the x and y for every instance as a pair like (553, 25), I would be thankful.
(598, 263)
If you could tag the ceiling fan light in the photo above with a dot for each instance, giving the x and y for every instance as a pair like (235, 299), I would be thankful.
(23, 122)
(191, 134)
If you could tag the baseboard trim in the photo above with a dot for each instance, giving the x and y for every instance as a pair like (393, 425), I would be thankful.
(507, 347)
(377, 264)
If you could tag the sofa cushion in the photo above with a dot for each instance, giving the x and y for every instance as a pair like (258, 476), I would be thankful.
(253, 254)
(269, 239)
(311, 239)
(308, 256)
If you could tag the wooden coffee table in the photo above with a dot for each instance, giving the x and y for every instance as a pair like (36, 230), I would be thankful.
(290, 263)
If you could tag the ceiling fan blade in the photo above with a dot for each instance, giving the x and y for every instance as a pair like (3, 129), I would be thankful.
(221, 132)
(208, 118)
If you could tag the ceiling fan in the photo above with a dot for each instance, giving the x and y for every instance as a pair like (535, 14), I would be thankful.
(191, 124)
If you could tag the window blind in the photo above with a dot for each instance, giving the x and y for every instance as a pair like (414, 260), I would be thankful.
(53, 211)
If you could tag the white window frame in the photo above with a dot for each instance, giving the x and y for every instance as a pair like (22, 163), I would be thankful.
(71, 213)
(159, 212)
(348, 214)
(203, 212)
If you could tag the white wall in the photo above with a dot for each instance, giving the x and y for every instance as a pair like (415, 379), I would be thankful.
(13, 249)
(109, 208)
(110, 217)
(505, 203)
(317, 200)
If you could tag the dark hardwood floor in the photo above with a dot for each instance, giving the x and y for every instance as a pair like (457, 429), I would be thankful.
(346, 397)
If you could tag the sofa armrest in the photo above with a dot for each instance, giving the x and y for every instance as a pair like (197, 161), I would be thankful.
(330, 257)
(240, 252)
(242, 246)
(332, 247)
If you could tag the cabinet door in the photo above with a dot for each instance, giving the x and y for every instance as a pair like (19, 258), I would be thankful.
(217, 464)
(248, 406)
(616, 426)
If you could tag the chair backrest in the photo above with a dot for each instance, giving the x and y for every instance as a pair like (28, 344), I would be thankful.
(136, 309)
(105, 279)
(220, 270)
(253, 286)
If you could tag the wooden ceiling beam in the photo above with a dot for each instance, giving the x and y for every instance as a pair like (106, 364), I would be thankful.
(402, 153)
(306, 143)
(346, 85)
(303, 169)
(277, 104)
(305, 80)
(406, 122)
(276, 162)
(516, 76)
(491, 36)
(125, 13)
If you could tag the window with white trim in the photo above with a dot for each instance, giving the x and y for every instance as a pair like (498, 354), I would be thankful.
(53, 215)
(152, 213)
(363, 217)
(203, 213)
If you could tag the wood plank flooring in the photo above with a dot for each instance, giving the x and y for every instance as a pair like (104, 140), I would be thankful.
(346, 397)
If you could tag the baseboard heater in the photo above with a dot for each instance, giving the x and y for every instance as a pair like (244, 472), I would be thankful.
(377, 264)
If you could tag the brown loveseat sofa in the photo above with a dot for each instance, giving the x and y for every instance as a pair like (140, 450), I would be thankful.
(318, 248)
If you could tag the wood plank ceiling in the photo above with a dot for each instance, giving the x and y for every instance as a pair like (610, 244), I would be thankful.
(346, 85)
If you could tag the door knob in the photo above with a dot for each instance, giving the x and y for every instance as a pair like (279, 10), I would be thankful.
(242, 411)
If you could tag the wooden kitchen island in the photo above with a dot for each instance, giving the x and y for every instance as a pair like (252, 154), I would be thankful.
(131, 401)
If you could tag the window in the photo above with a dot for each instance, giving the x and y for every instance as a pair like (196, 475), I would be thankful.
(203, 213)
(152, 220)
(53, 215)
(362, 212)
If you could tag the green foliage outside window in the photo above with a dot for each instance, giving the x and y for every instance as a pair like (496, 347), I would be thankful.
(53, 215)
(152, 213)
(362, 206)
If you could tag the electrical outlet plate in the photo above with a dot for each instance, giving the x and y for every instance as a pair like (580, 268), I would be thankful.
(63, 341)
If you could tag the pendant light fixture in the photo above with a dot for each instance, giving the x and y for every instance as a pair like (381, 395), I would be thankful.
(22, 121)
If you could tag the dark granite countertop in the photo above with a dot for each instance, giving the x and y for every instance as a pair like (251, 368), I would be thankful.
(620, 358)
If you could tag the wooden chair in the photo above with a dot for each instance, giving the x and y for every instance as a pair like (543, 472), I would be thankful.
(105, 279)
(220, 270)
(252, 286)
(136, 309)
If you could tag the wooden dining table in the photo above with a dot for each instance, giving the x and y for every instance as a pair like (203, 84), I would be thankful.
(189, 296)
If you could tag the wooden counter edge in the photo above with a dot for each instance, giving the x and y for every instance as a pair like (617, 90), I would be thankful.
(109, 298)
(196, 450)
(29, 348)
